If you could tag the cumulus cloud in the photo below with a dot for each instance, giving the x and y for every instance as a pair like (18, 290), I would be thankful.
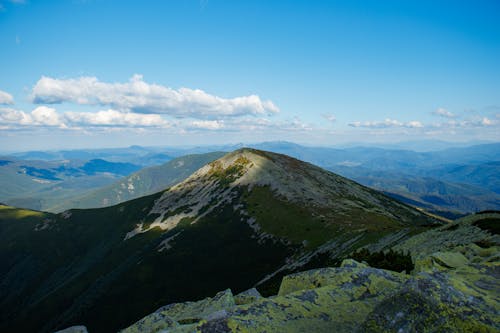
(387, 123)
(207, 124)
(115, 118)
(43, 116)
(444, 113)
(6, 98)
(46, 116)
(40, 116)
(138, 96)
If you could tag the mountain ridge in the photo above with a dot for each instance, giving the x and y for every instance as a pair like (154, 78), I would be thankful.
(79, 266)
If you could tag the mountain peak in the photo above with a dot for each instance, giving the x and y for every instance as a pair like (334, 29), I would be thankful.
(247, 171)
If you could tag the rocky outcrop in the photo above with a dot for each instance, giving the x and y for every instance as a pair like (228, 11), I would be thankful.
(351, 298)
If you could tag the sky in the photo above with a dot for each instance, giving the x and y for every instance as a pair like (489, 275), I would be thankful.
(102, 73)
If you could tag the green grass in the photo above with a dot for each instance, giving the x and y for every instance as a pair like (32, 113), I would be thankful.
(285, 219)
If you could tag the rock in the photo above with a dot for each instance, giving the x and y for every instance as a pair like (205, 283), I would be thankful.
(247, 296)
(74, 329)
(182, 314)
(321, 300)
(433, 302)
(353, 274)
(441, 261)
(351, 263)
(154, 322)
(450, 259)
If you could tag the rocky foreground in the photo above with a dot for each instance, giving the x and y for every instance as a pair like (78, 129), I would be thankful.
(453, 289)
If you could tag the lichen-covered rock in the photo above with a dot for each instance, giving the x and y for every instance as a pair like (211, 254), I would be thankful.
(441, 261)
(247, 296)
(322, 300)
(155, 322)
(319, 310)
(74, 329)
(178, 315)
(449, 237)
(351, 263)
(352, 275)
(436, 302)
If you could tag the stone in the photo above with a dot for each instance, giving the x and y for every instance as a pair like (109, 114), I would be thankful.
(177, 315)
(247, 296)
(74, 329)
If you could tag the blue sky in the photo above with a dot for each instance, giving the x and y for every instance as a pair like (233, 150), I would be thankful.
(94, 73)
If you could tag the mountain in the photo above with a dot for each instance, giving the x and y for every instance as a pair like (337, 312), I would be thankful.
(143, 182)
(485, 175)
(467, 174)
(41, 184)
(243, 220)
(452, 288)
(128, 154)
(431, 193)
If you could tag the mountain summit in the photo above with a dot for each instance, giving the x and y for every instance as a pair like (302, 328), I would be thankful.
(243, 220)
(249, 180)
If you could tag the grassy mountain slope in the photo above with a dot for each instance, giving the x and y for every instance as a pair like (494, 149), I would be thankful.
(239, 221)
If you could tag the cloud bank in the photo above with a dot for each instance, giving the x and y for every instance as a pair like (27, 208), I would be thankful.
(44, 116)
(140, 97)
(387, 123)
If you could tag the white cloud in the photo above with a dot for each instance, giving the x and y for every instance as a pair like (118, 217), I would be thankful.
(6, 98)
(469, 123)
(207, 124)
(444, 113)
(40, 116)
(43, 116)
(414, 124)
(114, 118)
(387, 123)
(329, 117)
(486, 122)
(141, 97)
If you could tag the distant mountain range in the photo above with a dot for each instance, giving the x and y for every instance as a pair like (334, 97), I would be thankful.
(460, 179)
(243, 220)
(41, 184)
(143, 182)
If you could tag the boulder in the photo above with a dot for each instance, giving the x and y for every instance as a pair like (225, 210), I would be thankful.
(351, 276)
(247, 296)
(74, 329)
(181, 314)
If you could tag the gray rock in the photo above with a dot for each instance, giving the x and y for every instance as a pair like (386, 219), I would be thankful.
(74, 329)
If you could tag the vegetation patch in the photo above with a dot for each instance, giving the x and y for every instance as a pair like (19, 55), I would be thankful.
(489, 224)
(390, 260)
(226, 176)
(286, 219)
